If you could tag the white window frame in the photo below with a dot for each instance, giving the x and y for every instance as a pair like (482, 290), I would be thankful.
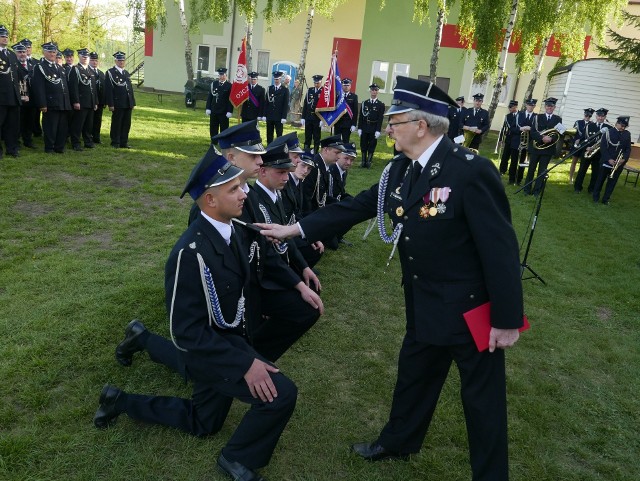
(267, 70)
(373, 71)
(215, 56)
(198, 57)
(395, 73)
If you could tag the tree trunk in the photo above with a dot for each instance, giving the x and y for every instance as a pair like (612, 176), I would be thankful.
(16, 21)
(188, 55)
(296, 97)
(502, 64)
(433, 66)
(538, 69)
(249, 42)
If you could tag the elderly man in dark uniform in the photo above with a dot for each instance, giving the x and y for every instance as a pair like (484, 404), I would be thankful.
(277, 107)
(310, 121)
(476, 120)
(208, 338)
(348, 123)
(51, 95)
(455, 116)
(370, 125)
(83, 95)
(253, 108)
(27, 109)
(34, 115)
(68, 60)
(9, 96)
(539, 157)
(615, 149)
(219, 108)
(119, 97)
(458, 251)
(100, 90)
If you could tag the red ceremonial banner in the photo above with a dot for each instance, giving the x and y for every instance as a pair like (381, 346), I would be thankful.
(240, 88)
(327, 100)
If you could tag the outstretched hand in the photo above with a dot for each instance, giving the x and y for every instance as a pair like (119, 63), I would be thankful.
(277, 231)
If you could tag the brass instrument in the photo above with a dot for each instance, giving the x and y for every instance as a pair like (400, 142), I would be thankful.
(595, 148)
(502, 136)
(555, 135)
(468, 138)
(616, 164)
(524, 140)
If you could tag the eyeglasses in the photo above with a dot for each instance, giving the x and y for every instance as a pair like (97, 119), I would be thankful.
(393, 124)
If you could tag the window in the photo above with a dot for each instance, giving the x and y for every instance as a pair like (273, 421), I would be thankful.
(202, 62)
(399, 69)
(221, 58)
(262, 65)
(379, 74)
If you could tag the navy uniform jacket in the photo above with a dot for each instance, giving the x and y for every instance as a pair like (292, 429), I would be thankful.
(293, 199)
(218, 99)
(100, 90)
(316, 187)
(24, 76)
(82, 87)
(454, 261)
(521, 121)
(9, 79)
(371, 115)
(479, 119)
(50, 87)
(310, 103)
(346, 120)
(203, 345)
(612, 143)
(251, 111)
(581, 130)
(118, 89)
(277, 106)
(510, 120)
(540, 124)
(455, 116)
(337, 187)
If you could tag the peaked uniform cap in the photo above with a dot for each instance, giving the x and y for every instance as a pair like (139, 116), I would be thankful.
(277, 156)
(67, 52)
(244, 137)
(335, 141)
(291, 140)
(531, 101)
(119, 55)
(212, 170)
(623, 120)
(317, 78)
(19, 47)
(93, 55)
(307, 158)
(413, 94)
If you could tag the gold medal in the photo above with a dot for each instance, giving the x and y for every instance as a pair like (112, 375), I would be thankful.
(399, 211)
(433, 211)
(424, 211)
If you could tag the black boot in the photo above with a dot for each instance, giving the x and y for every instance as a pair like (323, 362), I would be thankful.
(364, 160)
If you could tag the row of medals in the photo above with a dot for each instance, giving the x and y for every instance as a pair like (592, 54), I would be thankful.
(434, 203)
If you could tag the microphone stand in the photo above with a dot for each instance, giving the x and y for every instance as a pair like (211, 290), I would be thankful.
(544, 175)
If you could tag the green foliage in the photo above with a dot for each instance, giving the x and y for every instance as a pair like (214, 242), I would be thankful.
(626, 51)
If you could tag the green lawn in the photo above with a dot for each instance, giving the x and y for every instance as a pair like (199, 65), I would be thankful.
(83, 241)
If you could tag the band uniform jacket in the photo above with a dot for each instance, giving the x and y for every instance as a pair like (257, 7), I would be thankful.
(581, 130)
(203, 345)
(510, 121)
(521, 121)
(337, 188)
(100, 86)
(451, 262)
(316, 187)
(347, 120)
(277, 215)
(218, 99)
(49, 85)
(455, 116)
(540, 124)
(9, 79)
(292, 199)
(118, 89)
(478, 118)
(277, 106)
(310, 103)
(371, 115)
(612, 143)
(251, 111)
(82, 87)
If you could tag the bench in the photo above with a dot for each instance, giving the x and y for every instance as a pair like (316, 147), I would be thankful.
(632, 171)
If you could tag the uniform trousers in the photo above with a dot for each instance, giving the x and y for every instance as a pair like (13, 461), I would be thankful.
(312, 132)
(97, 124)
(516, 173)
(344, 132)
(594, 162)
(603, 176)
(10, 127)
(120, 127)
(27, 120)
(82, 127)
(311, 255)
(506, 155)
(271, 126)
(218, 123)
(422, 371)
(55, 125)
(539, 161)
(256, 436)
(368, 143)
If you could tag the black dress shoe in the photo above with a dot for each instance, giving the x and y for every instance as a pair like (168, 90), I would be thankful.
(375, 452)
(127, 146)
(237, 471)
(89, 146)
(130, 344)
(77, 148)
(106, 415)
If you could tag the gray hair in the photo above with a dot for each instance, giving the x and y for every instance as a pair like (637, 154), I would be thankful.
(437, 125)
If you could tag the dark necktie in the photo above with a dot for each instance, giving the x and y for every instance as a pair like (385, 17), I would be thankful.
(344, 178)
(416, 170)
(233, 244)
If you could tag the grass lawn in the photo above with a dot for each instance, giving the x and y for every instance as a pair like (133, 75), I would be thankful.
(83, 241)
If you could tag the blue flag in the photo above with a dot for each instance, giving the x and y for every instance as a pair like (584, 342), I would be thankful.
(333, 115)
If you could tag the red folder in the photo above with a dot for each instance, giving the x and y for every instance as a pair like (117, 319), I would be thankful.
(479, 322)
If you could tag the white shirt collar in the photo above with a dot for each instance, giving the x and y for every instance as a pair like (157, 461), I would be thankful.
(426, 155)
(296, 181)
(223, 229)
(121, 70)
(272, 194)
(340, 171)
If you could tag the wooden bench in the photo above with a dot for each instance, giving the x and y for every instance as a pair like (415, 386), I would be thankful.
(630, 170)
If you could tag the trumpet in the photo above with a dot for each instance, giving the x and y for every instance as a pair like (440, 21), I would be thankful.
(524, 140)
(618, 162)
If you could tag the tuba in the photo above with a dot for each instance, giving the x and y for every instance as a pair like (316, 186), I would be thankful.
(468, 138)
(555, 135)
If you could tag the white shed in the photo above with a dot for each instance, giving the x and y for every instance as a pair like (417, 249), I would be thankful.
(596, 83)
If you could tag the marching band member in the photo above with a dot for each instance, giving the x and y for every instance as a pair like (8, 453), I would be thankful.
(581, 130)
(615, 148)
(591, 160)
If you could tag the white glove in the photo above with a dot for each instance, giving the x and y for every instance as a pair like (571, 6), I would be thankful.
(208, 112)
(353, 128)
(302, 122)
(359, 132)
(229, 115)
(376, 135)
(283, 121)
